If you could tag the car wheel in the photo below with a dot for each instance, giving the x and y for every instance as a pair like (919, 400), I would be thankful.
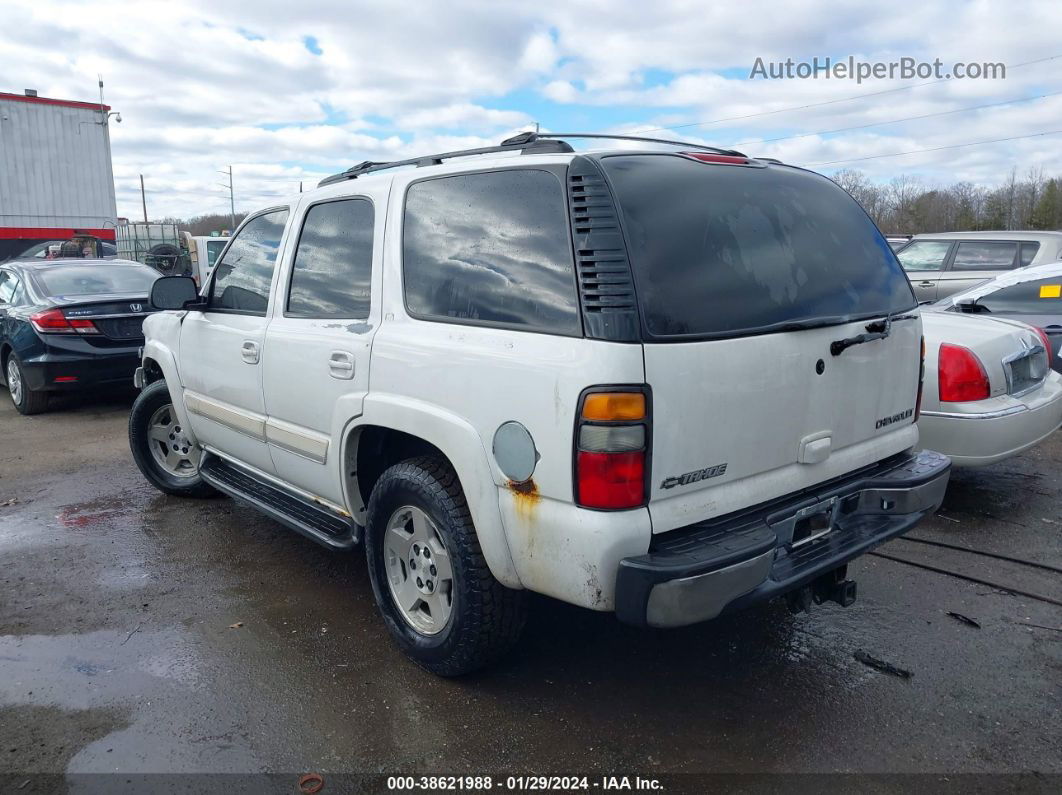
(437, 596)
(26, 400)
(162, 448)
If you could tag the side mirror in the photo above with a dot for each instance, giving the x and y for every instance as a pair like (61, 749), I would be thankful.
(174, 292)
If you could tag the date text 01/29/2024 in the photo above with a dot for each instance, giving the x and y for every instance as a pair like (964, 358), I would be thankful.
(522, 783)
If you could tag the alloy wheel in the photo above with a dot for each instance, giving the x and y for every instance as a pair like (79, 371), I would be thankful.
(14, 381)
(171, 448)
(419, 572)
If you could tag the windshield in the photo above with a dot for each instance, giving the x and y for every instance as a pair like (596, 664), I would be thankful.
(96, 279)
(725, 250)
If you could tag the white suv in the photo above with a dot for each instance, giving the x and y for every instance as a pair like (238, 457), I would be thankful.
(667, 383)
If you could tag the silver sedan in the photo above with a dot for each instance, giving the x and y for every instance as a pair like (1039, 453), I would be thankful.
(989, 392)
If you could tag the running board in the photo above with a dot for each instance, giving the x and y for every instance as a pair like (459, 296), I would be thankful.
(301, 515)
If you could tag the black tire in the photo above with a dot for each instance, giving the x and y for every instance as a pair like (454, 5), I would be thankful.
(150, 400)
(486, 618)
(33, 401)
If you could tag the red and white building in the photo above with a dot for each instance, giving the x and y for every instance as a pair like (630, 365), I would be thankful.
(56, 178)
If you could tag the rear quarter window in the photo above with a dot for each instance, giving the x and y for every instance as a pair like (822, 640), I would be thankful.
(491, 248)
(726, 250)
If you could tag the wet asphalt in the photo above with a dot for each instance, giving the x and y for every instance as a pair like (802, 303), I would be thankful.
(145, 633)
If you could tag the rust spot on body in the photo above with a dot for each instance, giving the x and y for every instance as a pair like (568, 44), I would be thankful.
(525, 497)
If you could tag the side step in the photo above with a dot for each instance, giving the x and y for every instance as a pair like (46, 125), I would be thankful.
(313, 521)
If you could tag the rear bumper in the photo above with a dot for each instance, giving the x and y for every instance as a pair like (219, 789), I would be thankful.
(113, 367)
(977, 439)
(696, 573)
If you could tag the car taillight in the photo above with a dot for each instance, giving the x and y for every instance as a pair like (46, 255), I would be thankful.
(960, 375)
(611, 448)
(921, 381)
(53, 321)
(1045, 340)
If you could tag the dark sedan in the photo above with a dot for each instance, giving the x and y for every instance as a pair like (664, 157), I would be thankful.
(69, 325)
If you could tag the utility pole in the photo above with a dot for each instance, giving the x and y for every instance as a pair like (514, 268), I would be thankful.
(143, 199)
(232, 200)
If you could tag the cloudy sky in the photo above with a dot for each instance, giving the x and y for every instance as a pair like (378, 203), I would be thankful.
(288, 91)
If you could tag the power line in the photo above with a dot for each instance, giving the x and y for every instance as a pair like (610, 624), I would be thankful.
(897, 121)
(827, 102)
(938, 148)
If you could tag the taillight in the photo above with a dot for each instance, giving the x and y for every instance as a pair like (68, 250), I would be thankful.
(708, 157)
(53, 321)
(611, 449)
(1045, 340)
(960, 375)
(921, 381)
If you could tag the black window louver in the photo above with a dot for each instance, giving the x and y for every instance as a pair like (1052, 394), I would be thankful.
(606, 288)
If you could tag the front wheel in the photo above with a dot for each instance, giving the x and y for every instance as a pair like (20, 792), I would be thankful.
(162, 448)
(437, 596)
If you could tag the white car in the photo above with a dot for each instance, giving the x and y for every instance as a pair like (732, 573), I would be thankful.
(989, 391)
(638, 381)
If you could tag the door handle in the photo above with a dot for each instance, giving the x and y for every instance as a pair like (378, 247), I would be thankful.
(926, 284)
(341, 365)
(249, 352)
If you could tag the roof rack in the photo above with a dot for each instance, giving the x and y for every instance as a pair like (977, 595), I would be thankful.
(533, 146)
(716, 149)
(527, 143)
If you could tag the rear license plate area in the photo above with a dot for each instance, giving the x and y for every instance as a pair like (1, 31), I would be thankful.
(810, 528)
(808, 524)
(121, 328)
(1026, 372)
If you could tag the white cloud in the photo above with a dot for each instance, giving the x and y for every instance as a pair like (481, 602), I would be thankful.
(201, 85)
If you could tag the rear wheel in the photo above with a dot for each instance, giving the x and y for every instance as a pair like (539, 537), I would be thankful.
(162, 447)
(26, 400)
(437, 596)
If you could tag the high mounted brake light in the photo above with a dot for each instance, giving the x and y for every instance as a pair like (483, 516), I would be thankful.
(53, 321)
(612, 448)
(708, 157)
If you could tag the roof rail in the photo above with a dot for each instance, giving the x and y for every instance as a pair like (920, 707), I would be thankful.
(538, 136)
(528, 143)
(514, 144)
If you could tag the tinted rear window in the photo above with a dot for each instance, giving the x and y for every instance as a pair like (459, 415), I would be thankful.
(491, 248)
(62, 280)
(724, 250)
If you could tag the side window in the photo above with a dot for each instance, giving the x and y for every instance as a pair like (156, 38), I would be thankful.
(333, 262)
(984, 255)
(213, 248)
(1040, 297)
(1028, 252)
(7, 287)
(19, 298)
(242, 277)
(491, 249)
(924, 255)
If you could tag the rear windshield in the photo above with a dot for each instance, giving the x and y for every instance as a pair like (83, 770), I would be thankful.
(724, 250)
(63, 280)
